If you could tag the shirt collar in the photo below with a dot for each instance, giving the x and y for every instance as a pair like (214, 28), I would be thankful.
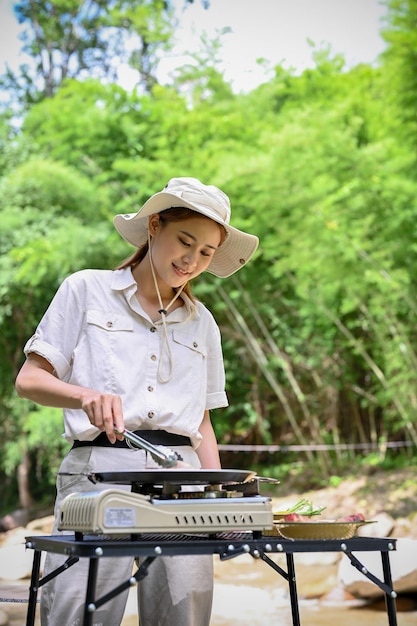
(123, 280)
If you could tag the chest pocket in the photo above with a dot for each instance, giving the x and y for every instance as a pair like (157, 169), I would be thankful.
(195, 344)
(112, 322)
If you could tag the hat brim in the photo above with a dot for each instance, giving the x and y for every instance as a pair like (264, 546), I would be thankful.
(230, 257)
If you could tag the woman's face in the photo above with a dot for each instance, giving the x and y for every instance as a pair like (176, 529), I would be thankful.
(182, 250)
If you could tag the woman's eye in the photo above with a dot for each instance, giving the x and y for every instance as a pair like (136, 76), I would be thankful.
(184, 243)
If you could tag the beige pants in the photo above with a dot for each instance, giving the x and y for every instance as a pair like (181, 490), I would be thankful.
(177, 591)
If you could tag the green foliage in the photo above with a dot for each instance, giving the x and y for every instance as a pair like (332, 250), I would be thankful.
(42, 184)
(34, 433)
(87, 125)
(400, 67)
(43, 429)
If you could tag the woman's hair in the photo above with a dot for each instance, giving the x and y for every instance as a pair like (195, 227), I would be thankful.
(174, 214)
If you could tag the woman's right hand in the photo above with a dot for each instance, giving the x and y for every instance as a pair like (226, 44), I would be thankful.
(104, 410)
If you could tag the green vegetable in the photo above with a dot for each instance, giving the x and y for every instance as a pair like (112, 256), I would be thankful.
(303, 507)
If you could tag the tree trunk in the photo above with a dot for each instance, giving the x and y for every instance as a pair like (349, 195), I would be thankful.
(23, 470)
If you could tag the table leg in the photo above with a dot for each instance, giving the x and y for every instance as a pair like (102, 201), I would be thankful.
(33, 591)
(389, 597)
(89, 607)
(293, 589)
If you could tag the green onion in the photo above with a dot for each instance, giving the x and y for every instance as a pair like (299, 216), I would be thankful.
(303, 507)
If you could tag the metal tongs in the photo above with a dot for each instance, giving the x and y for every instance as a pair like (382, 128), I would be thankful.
(161, 455)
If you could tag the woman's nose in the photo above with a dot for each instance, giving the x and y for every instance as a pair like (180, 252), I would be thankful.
(190, 258)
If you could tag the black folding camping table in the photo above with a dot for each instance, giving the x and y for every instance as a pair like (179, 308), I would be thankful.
(226, 545)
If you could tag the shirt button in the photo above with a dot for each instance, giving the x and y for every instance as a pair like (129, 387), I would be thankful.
(151, 414)
(195, 344)
(109, 324)
(154, 357)
(153, 329)
(150, 388)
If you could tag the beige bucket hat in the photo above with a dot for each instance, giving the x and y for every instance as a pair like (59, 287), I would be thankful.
(208, 200)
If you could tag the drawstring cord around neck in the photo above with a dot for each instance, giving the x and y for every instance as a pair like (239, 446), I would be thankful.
(165, 345)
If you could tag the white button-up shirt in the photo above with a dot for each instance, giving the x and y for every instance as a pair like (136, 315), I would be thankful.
(95, 334)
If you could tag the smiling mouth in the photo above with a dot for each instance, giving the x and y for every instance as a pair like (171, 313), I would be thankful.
(180, 271)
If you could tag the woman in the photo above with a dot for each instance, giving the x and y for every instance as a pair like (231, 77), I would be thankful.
(131, 348)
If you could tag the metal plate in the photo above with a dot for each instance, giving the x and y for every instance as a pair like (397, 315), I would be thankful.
(319, 530)
(174, 476)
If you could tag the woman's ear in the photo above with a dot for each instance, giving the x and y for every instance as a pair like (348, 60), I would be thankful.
(153, 224)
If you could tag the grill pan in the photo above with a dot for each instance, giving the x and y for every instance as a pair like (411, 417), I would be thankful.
(174, 476)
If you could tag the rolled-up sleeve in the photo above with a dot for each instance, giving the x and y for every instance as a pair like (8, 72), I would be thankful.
(216, 395)
(57, 334)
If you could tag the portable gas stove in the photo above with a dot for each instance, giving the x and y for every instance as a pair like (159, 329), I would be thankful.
(174, 500)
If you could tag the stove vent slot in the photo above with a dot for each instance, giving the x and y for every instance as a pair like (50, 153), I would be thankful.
(199, 520)
(78, 513)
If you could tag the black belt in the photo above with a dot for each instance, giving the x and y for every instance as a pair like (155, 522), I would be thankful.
(156, 437)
